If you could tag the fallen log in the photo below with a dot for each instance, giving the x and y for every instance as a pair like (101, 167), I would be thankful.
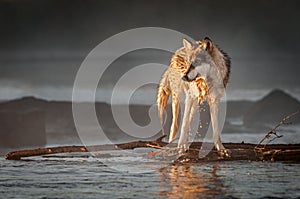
(17, 155)
(250, 152)
(240, 151)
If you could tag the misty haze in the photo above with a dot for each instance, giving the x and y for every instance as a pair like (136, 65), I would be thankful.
(43, 46)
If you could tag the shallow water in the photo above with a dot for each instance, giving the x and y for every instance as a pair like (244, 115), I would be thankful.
(139, 177)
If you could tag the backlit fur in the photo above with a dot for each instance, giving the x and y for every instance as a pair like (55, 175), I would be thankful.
(197, 89)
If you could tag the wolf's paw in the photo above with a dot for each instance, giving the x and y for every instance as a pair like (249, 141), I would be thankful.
(182, 151)
(182, 156)
(225, 153)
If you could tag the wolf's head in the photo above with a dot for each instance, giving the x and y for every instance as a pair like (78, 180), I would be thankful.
(205, 58)
(199, 58)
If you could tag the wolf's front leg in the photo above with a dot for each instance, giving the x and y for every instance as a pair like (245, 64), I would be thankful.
(175, 112)
(185, 127)
(194, 108)
(214, 105)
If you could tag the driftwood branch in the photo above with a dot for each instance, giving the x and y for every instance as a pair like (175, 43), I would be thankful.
(17, 155)
(139, 144)
(273, 152)
(274, 130)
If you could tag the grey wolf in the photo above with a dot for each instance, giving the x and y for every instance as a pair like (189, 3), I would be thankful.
(201, 71)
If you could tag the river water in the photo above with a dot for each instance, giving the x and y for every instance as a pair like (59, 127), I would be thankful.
(135, 176)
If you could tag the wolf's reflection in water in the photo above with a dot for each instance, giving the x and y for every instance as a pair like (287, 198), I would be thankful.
(184, 181)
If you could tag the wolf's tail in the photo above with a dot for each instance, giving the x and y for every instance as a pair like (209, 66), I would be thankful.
(162, 101)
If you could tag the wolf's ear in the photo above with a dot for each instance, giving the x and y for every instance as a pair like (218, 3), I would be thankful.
(207, 43)
(187, 44)
(207, 39)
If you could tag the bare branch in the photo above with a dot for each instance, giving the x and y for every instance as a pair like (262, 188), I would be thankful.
(274, 130)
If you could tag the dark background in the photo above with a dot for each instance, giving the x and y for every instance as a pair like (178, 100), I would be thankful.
(42, 43)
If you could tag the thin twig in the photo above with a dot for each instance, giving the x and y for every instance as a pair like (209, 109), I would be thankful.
(169, 148)
(158, 147)
(274, 130)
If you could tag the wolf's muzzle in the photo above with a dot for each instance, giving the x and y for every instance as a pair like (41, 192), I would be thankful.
(185, 78)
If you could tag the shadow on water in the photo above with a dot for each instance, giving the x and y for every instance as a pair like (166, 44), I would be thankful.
(185, 181)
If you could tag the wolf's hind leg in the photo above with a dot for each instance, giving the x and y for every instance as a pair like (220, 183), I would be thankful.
(162, 101)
